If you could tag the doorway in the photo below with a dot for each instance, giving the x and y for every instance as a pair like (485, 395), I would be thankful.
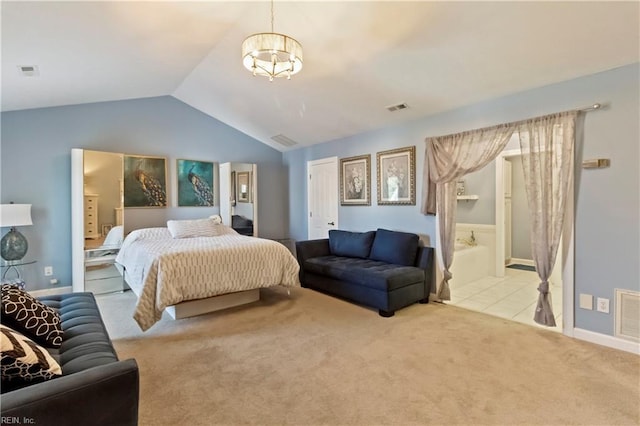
(322, 197)
(563, 272)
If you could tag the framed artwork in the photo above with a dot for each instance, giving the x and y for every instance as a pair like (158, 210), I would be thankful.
(397, 176)
(195, 183)
(243, 187)
(355, 181)
(145, 181)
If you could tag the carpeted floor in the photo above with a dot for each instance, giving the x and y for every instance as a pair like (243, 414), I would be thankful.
(310, 359)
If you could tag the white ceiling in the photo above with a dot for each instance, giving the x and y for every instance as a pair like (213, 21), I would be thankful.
(359, 57)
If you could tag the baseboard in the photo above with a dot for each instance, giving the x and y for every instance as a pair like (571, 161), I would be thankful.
(518, 261)
(605, 340)
(51, 291)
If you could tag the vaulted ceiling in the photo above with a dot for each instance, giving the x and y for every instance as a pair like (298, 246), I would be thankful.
(359, 57)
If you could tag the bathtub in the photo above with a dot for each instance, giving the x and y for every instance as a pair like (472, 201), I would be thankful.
(470, 263)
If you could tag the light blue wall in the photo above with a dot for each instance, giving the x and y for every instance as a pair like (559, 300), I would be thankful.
(607, 201)
(36, 151)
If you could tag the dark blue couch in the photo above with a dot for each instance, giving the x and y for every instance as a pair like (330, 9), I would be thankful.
(383, 269)
(95, 387)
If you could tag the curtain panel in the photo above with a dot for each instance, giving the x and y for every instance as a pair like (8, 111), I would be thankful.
(547, 150)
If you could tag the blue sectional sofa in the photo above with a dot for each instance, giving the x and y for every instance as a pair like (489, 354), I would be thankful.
(382, 269)
(95, 387)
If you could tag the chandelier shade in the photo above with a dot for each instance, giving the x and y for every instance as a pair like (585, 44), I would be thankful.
(271, 54)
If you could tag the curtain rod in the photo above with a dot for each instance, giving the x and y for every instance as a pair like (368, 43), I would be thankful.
(593, 107)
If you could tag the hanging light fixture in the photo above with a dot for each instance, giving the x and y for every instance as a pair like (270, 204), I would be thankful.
(272, 54)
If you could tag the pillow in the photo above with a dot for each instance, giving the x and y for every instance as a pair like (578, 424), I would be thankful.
(399, 248)
(114, 237)
(193, 228)
(216, 218)
(24, 361)
(30, 316)
(350, 244)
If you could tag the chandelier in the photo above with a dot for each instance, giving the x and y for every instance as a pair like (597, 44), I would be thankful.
(272, 54)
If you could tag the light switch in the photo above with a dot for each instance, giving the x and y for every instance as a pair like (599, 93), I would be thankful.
(586, 301)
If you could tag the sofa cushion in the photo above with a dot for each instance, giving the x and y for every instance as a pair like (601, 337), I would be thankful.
(24, 313)
(399, 248)
(86, 342)
(365, 272)
(23, 361)
(350, 244)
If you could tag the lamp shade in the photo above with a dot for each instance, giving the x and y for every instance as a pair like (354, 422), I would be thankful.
(15, 215)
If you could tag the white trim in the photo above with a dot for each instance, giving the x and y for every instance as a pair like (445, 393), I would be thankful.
(51, 291)
(519, 261)
(605, 340)
(77, 219)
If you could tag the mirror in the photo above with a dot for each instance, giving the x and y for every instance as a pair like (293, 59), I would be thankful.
(98, 220)
(238, 198)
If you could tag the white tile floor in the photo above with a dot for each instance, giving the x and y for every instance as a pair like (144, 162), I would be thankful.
(512, 297)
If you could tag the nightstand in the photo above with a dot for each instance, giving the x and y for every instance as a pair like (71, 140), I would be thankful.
(16, 266)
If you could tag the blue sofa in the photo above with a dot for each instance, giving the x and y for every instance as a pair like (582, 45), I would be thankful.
(95, 387)
(385, 270)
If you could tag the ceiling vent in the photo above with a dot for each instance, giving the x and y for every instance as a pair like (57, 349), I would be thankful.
(397, 107)
(28, 70)
(283, 140)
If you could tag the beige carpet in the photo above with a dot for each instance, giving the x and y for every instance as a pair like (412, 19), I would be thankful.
(311, 359)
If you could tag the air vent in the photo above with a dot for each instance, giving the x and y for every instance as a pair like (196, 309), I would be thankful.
(28, 70)
(283, 140)
(397, 107)
(627, 315)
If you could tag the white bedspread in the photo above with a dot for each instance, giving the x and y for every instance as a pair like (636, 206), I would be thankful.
(164, 271)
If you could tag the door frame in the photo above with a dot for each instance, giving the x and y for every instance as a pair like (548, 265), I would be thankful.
(310, 164)
(567, 244)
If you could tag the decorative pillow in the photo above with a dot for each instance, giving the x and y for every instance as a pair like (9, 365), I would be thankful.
(114, 237)
(23, 360)
(350, 244)
(193, 228)
(216, 218)
(30, 316)
(399, 248)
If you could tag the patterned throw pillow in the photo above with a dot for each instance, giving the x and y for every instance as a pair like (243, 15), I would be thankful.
(30, 316)
(23, 360)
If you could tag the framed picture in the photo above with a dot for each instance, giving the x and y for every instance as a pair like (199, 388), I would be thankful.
(397, 176)
(145, 181)
(195, 183)
(243, 187)
(355, 181)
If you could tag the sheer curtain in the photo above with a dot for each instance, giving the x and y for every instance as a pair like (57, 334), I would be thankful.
(446, 159)
(547, 145)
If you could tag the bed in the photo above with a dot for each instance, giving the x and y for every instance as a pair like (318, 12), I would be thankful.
(192, 269)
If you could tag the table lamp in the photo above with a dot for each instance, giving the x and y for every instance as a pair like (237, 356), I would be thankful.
(13, 245)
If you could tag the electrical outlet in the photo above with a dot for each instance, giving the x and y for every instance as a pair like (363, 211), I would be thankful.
(53, 281)
(603, 305)
(48, 271)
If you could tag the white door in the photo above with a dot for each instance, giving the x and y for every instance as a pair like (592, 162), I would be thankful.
(322, 197)
(225, 193)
